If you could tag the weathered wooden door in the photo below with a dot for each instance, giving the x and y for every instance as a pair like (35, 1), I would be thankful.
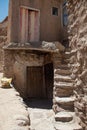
(35, 82)
(33, 26)
(24, 25)
(29, 25)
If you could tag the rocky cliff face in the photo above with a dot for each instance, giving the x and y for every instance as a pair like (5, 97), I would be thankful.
(78, 42)
(3, 39)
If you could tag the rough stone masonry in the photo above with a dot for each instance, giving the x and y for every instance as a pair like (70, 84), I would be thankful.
(78, 42)
(3, 39)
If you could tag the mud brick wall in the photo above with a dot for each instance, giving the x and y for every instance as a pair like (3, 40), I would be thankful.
(77, 29)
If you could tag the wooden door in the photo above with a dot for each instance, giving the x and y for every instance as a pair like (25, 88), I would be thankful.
(33, 26)
(24, 25)
(35, 82)
(29, 25)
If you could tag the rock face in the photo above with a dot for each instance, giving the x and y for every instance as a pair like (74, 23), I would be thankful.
(78, 42)
(3, 39)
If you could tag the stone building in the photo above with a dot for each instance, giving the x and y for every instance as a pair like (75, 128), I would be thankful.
(41, 69)
(28, 56)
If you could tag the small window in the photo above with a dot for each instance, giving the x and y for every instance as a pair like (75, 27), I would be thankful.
(55, 11)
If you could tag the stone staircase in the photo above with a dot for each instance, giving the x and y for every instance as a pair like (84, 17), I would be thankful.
(63, 96)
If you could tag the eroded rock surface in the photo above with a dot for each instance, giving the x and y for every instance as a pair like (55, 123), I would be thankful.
(78, 42)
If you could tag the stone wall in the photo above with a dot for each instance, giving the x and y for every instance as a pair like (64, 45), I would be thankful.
(78, 42)
(16, 63)
(18, 58)
(3, 39)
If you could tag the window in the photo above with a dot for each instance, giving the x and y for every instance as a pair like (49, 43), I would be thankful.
(65, 14)
(55, 11)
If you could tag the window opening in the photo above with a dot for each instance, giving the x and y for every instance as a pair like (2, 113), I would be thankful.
(55, 11)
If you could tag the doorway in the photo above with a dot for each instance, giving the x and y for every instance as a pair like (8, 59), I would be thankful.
(49, 76)
(40, 81)
(35, 82)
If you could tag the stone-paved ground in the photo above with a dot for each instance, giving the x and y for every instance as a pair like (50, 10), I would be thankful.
(42, 117)
(13, 113)
(41, 114)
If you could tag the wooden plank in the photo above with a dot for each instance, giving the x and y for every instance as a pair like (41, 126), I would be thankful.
(31, 27)
(34, 23)
(35, 82)
(24, 25)
(37, 26)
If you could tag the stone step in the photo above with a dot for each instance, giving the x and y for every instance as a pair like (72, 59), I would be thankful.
(64, 116)
(67, 52)
(59, 92)
(65, 100)
(64, 85)
(67, 55)
(67, 49)
(65, 61)
(64, 66)
(66, 103)
(63, 93)
(62, 71)
(67, 126)
(58, 62)
(61, 78)
(63, 89)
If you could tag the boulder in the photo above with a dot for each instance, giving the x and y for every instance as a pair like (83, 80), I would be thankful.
(53, 46)
(48, 45)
